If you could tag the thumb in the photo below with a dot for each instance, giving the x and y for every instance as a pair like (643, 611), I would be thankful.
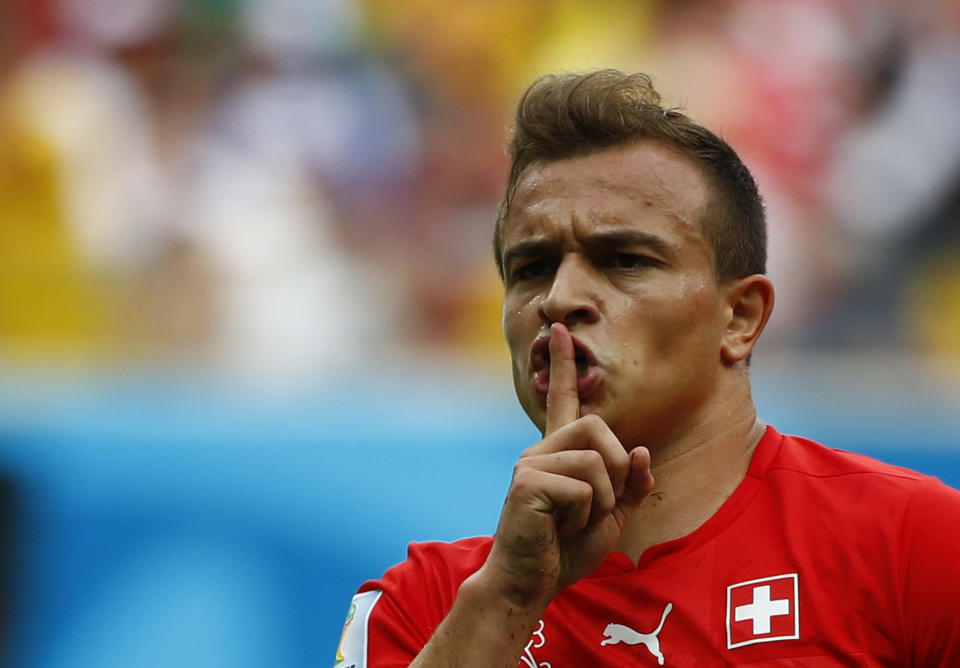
(639, 484)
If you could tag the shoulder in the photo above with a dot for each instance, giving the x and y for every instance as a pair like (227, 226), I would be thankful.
(807, 457)
(883, 524)
(392, 618)
(863, 486)
(440, 563)
(854, 490)
(843, 476)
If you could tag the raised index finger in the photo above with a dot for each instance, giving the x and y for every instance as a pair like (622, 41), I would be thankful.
(563, 400)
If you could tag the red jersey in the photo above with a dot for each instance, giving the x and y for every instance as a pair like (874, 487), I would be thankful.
(820, 557)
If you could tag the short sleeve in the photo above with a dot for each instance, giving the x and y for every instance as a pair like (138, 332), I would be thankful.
(930, 564)
(408, 603)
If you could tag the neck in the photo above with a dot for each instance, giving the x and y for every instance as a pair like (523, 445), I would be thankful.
(693, 476)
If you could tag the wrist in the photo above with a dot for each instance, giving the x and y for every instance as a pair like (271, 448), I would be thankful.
(488, 588)
(483, 629)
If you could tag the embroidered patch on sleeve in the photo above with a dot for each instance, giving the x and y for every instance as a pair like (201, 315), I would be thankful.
(352, 652)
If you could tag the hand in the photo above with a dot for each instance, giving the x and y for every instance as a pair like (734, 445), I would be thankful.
(571, 494)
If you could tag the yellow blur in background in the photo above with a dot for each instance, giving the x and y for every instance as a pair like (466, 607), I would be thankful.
(274, 190)
(50, 304)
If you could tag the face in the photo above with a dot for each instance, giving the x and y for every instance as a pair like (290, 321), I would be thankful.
(610, 244)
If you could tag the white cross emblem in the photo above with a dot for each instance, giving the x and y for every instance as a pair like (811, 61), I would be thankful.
(763, 610)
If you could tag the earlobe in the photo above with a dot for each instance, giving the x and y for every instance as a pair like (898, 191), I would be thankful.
(750, 303)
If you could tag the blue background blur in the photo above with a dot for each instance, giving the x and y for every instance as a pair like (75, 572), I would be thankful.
(168, 525)
(249, 340)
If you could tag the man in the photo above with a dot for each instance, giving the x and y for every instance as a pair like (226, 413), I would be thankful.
(659, 521)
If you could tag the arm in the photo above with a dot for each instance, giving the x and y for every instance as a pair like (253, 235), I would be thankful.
(569, 500)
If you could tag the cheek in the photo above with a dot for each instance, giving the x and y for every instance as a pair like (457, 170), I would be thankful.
(508, 322)
(696, 330)
(514, 324)
(669, 322)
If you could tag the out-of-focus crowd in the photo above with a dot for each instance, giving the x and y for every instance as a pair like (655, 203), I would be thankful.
(283, 188)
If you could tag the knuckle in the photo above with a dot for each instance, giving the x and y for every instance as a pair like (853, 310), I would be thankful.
(522, 477)
(591, 458)
(532, 451)
(592, 422)
(582, 494)
(523, 469)
(605, 503)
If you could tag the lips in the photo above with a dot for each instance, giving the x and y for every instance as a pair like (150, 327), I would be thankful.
(588, 369)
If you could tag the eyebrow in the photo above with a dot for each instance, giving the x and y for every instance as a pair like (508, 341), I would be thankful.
(536, 247)
(604, 239)
(621, 238)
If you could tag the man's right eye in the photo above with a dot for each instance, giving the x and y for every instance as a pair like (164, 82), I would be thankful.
(531, 270)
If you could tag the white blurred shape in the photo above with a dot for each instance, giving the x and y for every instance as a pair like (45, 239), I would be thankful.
(897, 164)
(350, 128)
(293, 305)
(289, 30)
(93, 114)
(113, 23)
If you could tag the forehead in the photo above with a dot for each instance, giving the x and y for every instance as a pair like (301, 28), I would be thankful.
(640, 184)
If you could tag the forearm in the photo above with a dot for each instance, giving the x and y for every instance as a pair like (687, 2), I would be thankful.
(483, 629)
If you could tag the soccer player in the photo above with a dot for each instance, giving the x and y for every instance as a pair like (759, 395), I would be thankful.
(660, 521)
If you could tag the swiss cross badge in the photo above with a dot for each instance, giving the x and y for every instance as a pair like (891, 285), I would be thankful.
(763, 610)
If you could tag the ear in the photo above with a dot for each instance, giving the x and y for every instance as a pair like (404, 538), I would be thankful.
(749, 304)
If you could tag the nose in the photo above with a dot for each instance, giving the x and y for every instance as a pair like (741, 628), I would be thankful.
(572, 294)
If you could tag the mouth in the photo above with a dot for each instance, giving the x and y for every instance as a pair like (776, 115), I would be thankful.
(588, 369)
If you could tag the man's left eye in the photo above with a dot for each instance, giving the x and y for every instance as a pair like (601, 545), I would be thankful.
(630, 261)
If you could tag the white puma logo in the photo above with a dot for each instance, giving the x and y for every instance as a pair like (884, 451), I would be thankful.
(616, 633)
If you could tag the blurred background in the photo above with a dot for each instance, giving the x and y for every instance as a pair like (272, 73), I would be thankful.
(249, 318)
